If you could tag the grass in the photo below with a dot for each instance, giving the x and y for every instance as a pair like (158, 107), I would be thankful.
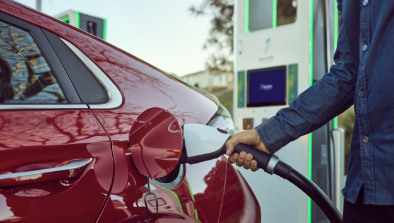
(226, 99)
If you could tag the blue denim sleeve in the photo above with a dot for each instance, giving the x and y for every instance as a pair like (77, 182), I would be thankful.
(314, 107)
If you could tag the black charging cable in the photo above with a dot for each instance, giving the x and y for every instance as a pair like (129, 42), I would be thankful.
(146, 205)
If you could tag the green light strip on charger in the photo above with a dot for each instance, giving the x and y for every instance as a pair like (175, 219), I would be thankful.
(247, 16)
(66, 19)
(310, 84)
(104, 29)
(335, 125)
(273, 14)
(77, 18)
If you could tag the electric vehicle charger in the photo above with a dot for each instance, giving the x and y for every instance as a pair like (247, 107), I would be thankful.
(202, 143)
(158, 145)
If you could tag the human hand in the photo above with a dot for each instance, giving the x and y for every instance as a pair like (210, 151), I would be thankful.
(248, 137)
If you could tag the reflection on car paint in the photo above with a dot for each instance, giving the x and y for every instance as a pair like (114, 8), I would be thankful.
(5, 211)
(207, 180)
(32, 193)
(203, 206)
(168, 201)
(239, 202)
(174, 201)
(35, 140)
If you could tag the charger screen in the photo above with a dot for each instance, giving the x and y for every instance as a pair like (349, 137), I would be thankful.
(267, 87)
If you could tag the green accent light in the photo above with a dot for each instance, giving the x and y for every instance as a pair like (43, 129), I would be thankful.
(179, 202)
(273, 14)
(195, 211)
(190, 189)
(191, 193)
(310, 83)
(335, 125)
(66, 19)
(247, 16)
(104, 29)
(77, 18)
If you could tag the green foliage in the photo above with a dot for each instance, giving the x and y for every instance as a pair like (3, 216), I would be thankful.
(226, 99)
(217, 90)
(220, 34)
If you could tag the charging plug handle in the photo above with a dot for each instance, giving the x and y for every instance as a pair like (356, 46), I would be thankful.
(272, 165)
(265, 161)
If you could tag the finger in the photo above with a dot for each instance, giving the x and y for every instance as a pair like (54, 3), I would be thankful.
(229, 148)
(233, 158)
(248, 161)
(231, 143)
(241, 159)
(253, 166)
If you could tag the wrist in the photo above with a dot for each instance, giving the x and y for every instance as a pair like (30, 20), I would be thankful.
(260, 143)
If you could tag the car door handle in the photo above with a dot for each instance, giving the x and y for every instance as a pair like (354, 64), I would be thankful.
(71, 170)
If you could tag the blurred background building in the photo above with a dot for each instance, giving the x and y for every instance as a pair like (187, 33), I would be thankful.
(210, 80)
(218, 83)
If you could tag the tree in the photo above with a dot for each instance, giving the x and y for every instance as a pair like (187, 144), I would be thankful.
(220, 34)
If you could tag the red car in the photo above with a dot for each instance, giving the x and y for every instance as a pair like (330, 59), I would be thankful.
(67, 103)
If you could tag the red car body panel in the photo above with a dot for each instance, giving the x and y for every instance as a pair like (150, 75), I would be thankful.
(239, 202)
(35, 140)
(156, 142)
(200, 195)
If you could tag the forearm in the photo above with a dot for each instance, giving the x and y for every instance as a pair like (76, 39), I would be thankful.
(327, 98)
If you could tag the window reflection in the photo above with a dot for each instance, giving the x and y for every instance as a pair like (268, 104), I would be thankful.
(25, 76)
(286, 12)
(261, 16)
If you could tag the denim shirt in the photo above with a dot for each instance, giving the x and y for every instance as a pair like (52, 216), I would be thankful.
(363, 75)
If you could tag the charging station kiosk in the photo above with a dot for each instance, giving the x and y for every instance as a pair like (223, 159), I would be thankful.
(91, 24)
(281, 47)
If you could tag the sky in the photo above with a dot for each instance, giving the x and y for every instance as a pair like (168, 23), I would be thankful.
(160, 32)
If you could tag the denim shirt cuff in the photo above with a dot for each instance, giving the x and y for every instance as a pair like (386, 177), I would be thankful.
(271, 135)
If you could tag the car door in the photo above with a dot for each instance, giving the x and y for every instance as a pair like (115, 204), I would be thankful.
(55, 158)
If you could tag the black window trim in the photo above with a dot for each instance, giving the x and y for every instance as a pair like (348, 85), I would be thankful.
(115, 97)
(90, 88)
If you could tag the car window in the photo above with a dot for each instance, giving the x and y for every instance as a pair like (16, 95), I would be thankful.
(25, 76)
(89, 88)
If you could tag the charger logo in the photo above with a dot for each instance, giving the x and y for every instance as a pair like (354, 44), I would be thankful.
(268, 44)
(266, 87)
